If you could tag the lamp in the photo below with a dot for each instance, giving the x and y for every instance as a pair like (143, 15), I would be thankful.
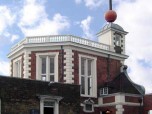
(107, 111)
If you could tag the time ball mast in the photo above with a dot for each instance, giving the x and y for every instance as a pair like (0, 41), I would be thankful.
(110, 15)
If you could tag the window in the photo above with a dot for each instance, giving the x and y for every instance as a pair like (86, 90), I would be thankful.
(88, 105)
(104, 91)
(17, 64)
(47, 66)
(118, 40)
(87, 75)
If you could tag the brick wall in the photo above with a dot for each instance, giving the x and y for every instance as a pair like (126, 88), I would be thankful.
(147, 103)
(131, 110)
(132, 99)
(19, 96)
(101, 68)
(108, 99)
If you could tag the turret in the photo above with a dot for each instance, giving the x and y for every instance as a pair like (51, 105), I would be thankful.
(112, 34)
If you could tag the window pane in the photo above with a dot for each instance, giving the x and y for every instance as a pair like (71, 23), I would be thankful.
(52, 78)
(83, 66)
(105, 90)
(118, 40)
(17, 69)
(51, 65)
(89, 67)
(43, 65)
(82, 85)
(43, 77)
(89, 85)
(88, 107)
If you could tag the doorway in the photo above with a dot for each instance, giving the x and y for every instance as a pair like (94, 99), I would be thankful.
(48, 110)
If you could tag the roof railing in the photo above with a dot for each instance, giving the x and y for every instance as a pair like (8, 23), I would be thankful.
(60, 38)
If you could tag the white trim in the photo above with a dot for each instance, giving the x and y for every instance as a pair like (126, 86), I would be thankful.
(126, 94)
(54, 99)
(38, 68)
(119, 100)
(120, 109)
(94, 77)
(68, 71)
(88, 102)
(76, 45)
(27, 63)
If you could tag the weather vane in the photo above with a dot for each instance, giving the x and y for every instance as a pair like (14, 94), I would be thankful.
(110, 15)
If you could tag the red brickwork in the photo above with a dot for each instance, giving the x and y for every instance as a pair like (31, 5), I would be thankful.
(101, 68)
(108, 99)
(131, 110)
(112, 110)
(147, 103)
(132, 99)
(76, 67)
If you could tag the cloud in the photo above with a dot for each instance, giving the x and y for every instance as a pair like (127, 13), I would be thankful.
(39, 23)
(135, 16)
(14, 37)
(6, 18)
(47, 27)
(78, 1)
(32, 13)
(4, 68)
(90, 3)
(85, 25)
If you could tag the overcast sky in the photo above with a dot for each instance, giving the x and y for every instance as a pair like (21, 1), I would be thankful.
(84, 18)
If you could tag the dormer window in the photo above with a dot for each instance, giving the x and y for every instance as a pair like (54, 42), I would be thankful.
(88, 106)
(104, 91)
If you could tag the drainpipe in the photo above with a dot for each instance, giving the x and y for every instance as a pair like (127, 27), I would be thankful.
(108, 67)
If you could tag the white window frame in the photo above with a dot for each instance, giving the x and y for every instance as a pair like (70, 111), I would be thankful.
(88, 102)
(17, 71)
(38, 65)
(94, 76)
(104, 91)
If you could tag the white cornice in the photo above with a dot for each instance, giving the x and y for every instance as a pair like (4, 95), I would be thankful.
(75, 46)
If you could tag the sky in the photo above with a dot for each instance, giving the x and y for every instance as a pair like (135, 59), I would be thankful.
(84, 18)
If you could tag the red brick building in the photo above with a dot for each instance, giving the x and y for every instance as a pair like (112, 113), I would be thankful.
(98, 67)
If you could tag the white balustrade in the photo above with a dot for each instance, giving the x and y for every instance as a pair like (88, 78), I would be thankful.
(60, 38)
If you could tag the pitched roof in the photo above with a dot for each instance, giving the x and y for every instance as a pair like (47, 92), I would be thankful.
(122, 83)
